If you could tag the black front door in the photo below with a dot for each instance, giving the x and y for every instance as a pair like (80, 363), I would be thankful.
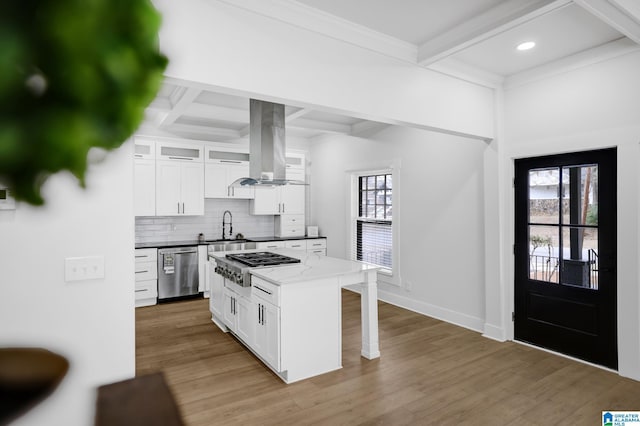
(565, 254)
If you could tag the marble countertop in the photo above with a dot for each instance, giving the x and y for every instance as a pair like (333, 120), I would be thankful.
(312, 266)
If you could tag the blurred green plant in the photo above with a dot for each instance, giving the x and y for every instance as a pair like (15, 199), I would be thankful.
(74, 74)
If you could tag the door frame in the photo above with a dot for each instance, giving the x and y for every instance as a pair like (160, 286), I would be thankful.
(555, 336)
(626, 140)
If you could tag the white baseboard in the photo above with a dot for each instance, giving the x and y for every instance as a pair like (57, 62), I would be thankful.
(437, 312)
(494, 332)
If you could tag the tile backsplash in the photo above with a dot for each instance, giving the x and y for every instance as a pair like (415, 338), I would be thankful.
(184, 228)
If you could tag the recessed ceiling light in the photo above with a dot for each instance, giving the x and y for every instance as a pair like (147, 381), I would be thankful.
(526, 45)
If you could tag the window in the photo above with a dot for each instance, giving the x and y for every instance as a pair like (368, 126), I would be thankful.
(373, 224)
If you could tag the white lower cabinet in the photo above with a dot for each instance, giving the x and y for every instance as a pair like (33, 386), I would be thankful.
(270, 245)
(216, 292)
(146, 270)
(266, 299)
(317, 246)
(238, 315)
(267, 336)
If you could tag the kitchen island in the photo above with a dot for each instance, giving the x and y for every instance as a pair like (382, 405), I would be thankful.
(291, 315)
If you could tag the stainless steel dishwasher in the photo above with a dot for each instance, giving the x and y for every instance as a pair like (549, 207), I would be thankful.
(177, 272)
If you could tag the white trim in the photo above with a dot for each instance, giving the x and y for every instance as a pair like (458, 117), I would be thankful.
(393, 278)
(605, 52)
(494, 332)
(456, 68)
(503, 17)
(311, 19)
(549, 351)
(433, 311)
(612, 15)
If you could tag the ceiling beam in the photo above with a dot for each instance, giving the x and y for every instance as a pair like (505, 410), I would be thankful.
(367, 128)
(216, 112)
(180, 100)
(297, 114)
(322, 126)
(503, 17)
(204, 130)
(622, 15)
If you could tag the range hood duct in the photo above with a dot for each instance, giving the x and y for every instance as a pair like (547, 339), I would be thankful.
(267, 154)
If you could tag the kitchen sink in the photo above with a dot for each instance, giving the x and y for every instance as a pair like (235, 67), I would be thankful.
(229, 245)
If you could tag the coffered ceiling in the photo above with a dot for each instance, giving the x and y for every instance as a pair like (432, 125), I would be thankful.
(471, 39)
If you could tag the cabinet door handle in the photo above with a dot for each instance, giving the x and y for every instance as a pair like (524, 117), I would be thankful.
(178, 208)
(182, 208)
(263, 320)
(282, 207)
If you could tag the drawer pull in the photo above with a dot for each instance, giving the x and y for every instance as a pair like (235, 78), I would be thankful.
(262, 289)
(141, 272)
(140, 291)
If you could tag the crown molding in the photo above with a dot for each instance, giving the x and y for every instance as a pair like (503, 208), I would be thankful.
(494, 21)
(463, 71)
(310, 19)
(607, 51)
(619, 14)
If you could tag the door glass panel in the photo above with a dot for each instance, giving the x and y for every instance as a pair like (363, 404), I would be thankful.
(580, 202)
(543, 195)
(580, 257)
(543, 253)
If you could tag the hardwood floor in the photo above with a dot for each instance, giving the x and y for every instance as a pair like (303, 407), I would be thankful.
(430, 372)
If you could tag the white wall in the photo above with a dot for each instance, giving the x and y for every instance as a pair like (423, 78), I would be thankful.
(91, 323)
(215, 43)
(438, 205)
(593, 107)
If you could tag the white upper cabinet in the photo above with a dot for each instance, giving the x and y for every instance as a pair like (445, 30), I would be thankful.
(144, 189)
(179, 180)
(144, 179)
(286, 199)
(222, 168)
(144, 148)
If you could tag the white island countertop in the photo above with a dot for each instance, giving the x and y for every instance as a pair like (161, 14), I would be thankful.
(311, 267)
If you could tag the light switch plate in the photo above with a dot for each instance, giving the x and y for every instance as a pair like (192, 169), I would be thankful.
(83, 268)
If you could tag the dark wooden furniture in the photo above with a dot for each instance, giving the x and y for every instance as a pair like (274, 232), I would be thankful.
(144, 400)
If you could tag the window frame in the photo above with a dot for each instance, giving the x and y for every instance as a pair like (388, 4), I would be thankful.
(385, 275)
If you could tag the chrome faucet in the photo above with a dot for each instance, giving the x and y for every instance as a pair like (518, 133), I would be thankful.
(224, 215)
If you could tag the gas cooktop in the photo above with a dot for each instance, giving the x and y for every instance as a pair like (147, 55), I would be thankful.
(262, 258)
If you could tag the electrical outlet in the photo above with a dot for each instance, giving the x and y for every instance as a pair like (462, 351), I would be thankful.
(83, 268)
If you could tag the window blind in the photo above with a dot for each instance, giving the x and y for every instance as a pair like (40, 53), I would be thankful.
(373, 237)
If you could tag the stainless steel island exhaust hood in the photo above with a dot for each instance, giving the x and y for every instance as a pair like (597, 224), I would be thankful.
(267, 156)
